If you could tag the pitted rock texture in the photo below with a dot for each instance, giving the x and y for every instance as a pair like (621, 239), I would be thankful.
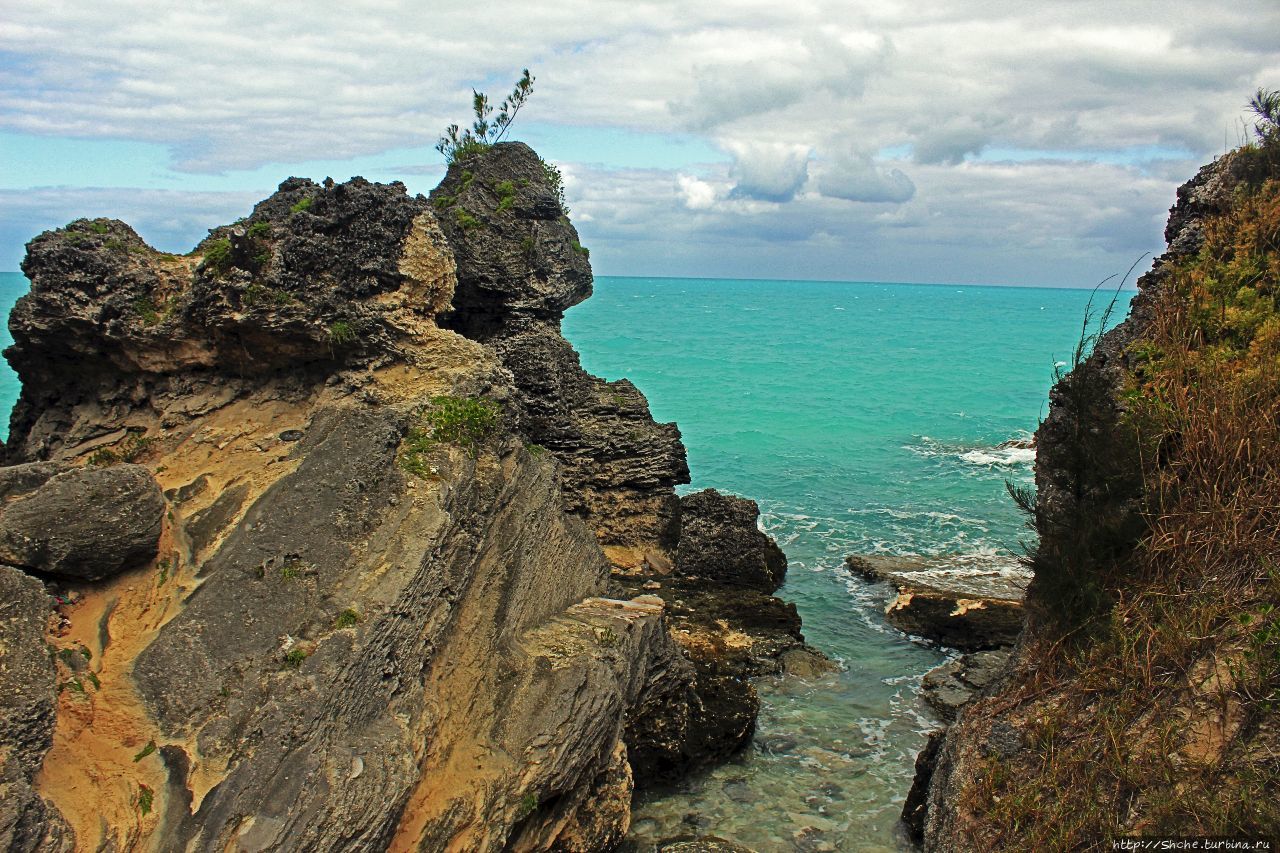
(520, 265)
(27, 706)
(317, 277)
(720, 543)
(86, 523)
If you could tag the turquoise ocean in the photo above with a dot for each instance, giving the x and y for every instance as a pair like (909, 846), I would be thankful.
(863, 418)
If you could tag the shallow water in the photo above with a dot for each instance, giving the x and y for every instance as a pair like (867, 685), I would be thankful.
(864, 418)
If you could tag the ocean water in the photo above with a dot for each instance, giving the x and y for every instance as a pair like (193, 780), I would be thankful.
(864, 418)
(12, 285)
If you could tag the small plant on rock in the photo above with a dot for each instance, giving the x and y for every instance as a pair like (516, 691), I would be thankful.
(487, 129)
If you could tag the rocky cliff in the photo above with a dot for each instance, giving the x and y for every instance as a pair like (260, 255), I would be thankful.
(1141, 697)
(363, 559)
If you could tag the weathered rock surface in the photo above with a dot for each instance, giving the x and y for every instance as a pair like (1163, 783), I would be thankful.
(27, 707)
(352, 636)
(950, 687)
(520, 265)
(85, 523)
(960, 610)
(719, 543)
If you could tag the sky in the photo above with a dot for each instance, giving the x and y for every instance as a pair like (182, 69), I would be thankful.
(963, 141)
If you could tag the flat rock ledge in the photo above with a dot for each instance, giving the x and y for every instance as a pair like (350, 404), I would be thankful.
(949, 604)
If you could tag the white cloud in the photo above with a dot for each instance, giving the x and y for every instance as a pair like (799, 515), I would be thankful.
(768, 171)
(805, 96)
(854, 177)
(697, 194)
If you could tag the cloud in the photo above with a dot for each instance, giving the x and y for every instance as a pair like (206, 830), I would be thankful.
(768, 171)
(818, 103)
(697, 194)
(170, 220)
(854, 177)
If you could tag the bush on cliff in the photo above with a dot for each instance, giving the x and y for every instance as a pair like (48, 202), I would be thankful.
(486, 130)
(1165, 721)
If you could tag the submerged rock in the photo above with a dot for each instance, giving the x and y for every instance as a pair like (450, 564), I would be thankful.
(83, 523)
(950, 687)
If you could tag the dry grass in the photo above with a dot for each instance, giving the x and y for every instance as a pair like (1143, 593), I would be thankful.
(1161, 717)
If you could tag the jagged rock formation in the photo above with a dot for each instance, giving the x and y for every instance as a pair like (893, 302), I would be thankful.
(520, 265)
(1198, 721)
(358, 632)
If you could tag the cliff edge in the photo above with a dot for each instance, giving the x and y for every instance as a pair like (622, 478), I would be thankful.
(1141, 698)
(352, 521)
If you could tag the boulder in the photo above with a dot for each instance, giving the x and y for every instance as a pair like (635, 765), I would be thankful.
(84, 523)
(721, 543)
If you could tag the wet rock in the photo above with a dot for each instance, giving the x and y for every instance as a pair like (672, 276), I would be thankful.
(914, 810)
(960, 608)
(704, 844)
(85, 523)
(291, 435)
(950, 687)
(28, 700)
(720, 542)
(810, 839)
(806, 663)
(777, 744)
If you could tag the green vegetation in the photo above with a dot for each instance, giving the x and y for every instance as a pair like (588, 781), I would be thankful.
(1150, 698)
(260, 230)
(556, 181)
(466, 220)
(296, 655)
(146, 750)
(217, 256)
(97, 227)
(466, 422)
(130, 449)
(528, 805)
(163, 565)
(145, 798)
(302, 205)
(487, 129)
(341, 333)
(581, 249)
(347, 619)
(444, 201)
(506, 191)
(293, 569)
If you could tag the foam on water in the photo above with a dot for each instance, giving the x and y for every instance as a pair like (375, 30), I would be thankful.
(887, 428)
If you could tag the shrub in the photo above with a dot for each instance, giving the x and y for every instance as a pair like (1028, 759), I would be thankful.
(217, 256)
(484, 132)
(295, 656)
(341, 333)
(346, 619)
(302, 204)
(556, 181)
(466, 422)
(260, 230)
